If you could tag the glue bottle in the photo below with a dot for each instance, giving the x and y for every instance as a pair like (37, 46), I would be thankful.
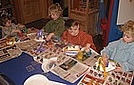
(80, 55)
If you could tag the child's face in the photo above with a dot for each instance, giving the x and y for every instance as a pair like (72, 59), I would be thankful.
(8, 23)
(74, 30)
(128, 38)
(54, 15)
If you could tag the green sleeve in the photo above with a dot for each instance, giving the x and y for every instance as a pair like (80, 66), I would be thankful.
(59, 29)
(46, 28)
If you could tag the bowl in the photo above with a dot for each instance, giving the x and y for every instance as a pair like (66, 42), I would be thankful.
(37, 79)
(47, 65)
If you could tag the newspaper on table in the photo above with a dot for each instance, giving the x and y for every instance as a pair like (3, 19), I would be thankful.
(69, 68)
(28, 46)
(91, 59)
(95, 77)
(7, 51)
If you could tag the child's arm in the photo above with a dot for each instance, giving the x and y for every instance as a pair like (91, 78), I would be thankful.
(16, 31)
(5, 32)
(118, 69)
(49, 36)
(64, 37)
(109, 50)
(86, 40)
(128, 65)
(105, 61)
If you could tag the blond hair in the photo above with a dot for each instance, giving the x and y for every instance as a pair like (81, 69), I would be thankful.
(128, 27)
(55, 8)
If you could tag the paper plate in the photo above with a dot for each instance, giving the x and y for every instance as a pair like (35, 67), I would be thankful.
(37, 79)
(48, 65)
(111, 66)
(71, 53)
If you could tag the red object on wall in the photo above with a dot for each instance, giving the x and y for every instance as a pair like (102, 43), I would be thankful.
(105, 24)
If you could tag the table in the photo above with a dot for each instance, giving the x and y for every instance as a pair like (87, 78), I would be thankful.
(22, 67)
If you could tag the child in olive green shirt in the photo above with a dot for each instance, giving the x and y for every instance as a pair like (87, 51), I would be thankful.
(55, 27)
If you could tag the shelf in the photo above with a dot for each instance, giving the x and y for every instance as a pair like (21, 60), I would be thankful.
(85, 12)
(79, 12)
(6, 7)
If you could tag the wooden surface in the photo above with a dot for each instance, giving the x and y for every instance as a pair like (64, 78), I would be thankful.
(30, 10)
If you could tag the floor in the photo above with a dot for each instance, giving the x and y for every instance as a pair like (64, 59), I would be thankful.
(98, 41)
(37, 24)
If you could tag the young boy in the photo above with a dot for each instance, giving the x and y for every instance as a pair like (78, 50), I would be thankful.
(55, 27)
(75, 36)
(122, 50)
(9, 28)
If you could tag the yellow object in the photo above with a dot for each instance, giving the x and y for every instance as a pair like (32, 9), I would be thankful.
(80, 55)
(104, 67)
(10, 41)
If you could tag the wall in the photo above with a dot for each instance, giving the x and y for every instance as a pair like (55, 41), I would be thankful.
(125, 11)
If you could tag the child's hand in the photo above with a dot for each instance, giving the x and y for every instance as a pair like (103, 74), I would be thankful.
(105, 59)
(49, 36)
(118, 69)
(19, 33)
(65, 42)
(87, 48)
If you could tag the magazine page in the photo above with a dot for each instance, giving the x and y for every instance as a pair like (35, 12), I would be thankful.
(95, 77)
(70, 69)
